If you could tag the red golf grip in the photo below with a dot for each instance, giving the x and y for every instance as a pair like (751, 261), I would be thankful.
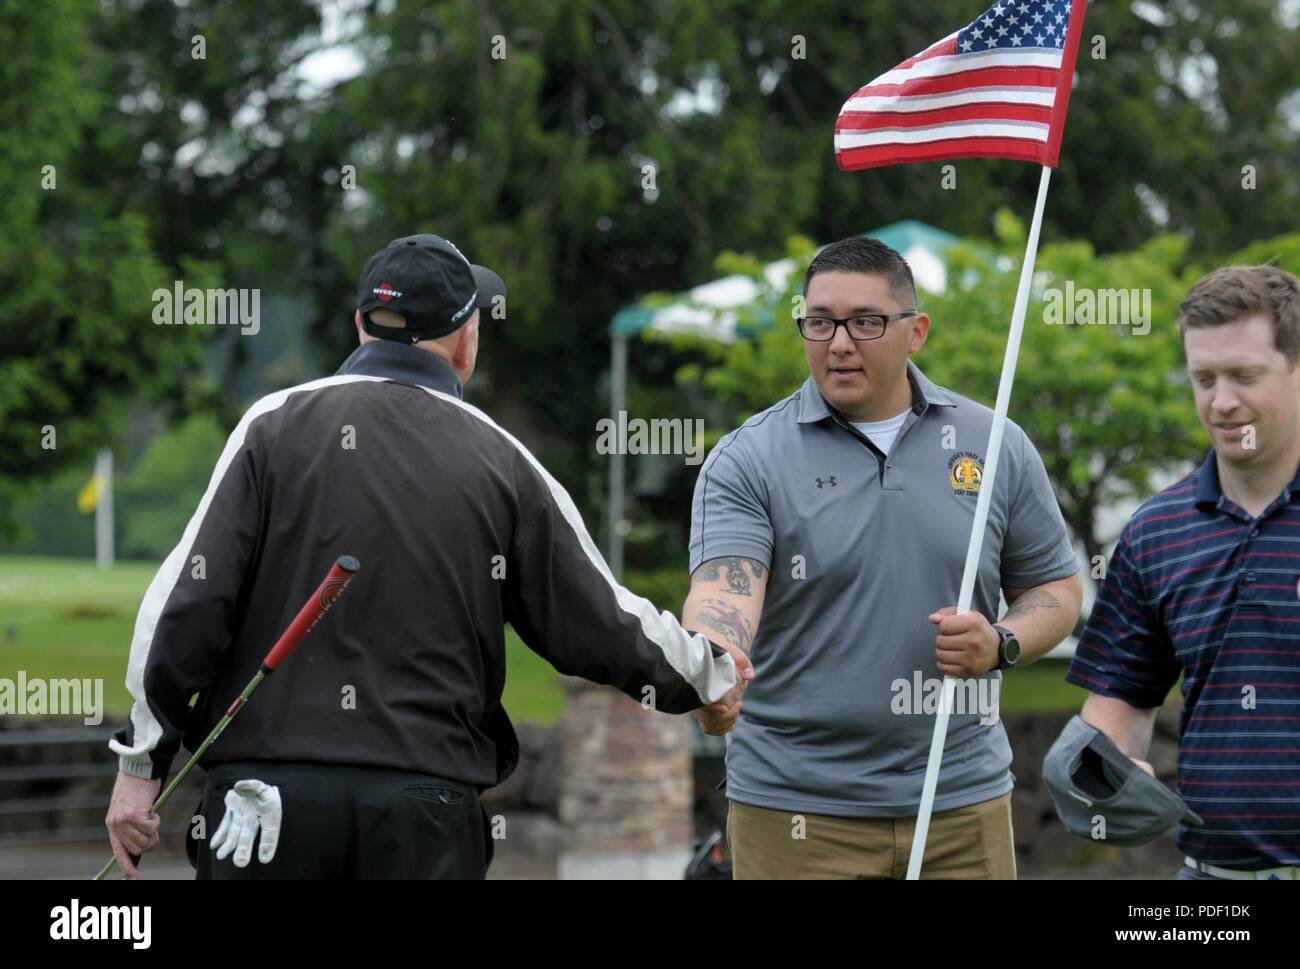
(329, 590)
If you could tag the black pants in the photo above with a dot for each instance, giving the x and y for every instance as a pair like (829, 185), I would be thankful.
(346, 822)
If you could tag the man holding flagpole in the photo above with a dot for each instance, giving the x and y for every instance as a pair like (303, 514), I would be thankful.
(822, 544)
(813, 735)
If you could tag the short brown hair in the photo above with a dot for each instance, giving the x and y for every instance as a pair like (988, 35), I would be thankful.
(1235, 292)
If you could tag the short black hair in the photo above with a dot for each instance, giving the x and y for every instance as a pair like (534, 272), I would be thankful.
(859, 254)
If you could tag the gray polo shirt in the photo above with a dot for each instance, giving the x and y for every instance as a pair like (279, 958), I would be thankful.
(862, 547)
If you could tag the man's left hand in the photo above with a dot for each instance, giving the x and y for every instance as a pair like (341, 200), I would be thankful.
(967, 643)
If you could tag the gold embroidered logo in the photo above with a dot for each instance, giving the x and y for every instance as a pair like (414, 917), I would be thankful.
(965, 473)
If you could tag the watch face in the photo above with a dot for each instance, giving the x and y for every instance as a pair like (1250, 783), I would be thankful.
(1011, 649)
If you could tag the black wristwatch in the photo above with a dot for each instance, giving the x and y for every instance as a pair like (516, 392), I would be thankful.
(1008, 648)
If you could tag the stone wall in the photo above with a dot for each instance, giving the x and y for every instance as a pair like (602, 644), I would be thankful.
(625, 787)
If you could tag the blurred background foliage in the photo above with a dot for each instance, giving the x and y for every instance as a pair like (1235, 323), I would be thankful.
(614, 151)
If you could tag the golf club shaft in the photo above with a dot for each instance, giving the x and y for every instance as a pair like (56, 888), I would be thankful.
(326, 593)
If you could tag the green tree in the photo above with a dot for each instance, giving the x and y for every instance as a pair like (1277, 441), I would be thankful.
(1108, 406)
(76, 339)
(159, 495)
(524, 131)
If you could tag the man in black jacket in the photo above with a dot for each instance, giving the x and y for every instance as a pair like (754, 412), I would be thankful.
(366, 756)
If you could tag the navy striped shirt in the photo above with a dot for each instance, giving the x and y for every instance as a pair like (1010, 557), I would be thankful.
(1198, 587)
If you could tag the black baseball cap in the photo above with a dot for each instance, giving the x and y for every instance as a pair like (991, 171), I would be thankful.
(430, 283)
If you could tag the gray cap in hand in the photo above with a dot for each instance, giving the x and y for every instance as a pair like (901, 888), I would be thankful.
(1090, 778)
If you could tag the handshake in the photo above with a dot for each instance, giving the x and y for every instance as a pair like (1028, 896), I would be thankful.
(719, 718)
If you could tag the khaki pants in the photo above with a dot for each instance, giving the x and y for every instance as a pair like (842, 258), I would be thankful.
(971, 842)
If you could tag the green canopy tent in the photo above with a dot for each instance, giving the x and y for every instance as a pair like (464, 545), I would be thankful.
(711, 310)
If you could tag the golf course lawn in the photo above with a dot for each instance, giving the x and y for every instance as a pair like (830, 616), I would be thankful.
(64, 618)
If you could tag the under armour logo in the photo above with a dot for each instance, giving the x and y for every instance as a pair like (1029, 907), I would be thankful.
(822, 482)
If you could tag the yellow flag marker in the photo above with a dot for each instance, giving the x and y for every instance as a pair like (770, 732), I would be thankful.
(88, 496)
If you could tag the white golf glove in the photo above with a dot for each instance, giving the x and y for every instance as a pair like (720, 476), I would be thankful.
(249, 805)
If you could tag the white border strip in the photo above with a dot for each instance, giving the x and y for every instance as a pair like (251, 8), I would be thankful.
(975, 60)
(1027, 130)
(148, 731)
(1044, 96)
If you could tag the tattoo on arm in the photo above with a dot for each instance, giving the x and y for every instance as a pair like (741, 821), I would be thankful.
(1030, 602)
(722, 617)
(737, 580)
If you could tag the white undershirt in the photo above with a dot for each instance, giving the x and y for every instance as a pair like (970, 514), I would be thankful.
(882, 433)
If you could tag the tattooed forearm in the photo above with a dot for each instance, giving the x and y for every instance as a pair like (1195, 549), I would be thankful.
(724, 618)
(737, 579)
(1030, 602)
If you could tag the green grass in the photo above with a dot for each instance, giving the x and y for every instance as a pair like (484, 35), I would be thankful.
(69, 619)
(63, 617)
(1040, 687)
(532, 685)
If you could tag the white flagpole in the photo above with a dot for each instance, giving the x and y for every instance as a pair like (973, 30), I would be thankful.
(104, 509)
(977, 527)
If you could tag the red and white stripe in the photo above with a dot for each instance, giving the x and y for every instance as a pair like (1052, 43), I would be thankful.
(941, 104)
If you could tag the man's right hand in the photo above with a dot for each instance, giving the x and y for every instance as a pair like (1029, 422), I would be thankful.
(1128, 727)
(132, 823)
(1144, 765)
(720, 718)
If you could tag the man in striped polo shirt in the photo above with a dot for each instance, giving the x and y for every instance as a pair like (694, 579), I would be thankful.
(1205, 583)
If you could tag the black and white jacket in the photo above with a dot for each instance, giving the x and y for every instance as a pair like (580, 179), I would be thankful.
(458, 529)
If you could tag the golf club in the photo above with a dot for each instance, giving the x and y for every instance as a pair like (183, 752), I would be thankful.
(337, 579)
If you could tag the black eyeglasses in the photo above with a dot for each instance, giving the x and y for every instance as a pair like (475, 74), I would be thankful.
(821, 329)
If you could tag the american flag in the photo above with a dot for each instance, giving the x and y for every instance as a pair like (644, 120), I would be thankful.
(997, 88)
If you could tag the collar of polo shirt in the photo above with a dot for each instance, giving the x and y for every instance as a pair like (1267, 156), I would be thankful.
(813, 406)
(1209, 493)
